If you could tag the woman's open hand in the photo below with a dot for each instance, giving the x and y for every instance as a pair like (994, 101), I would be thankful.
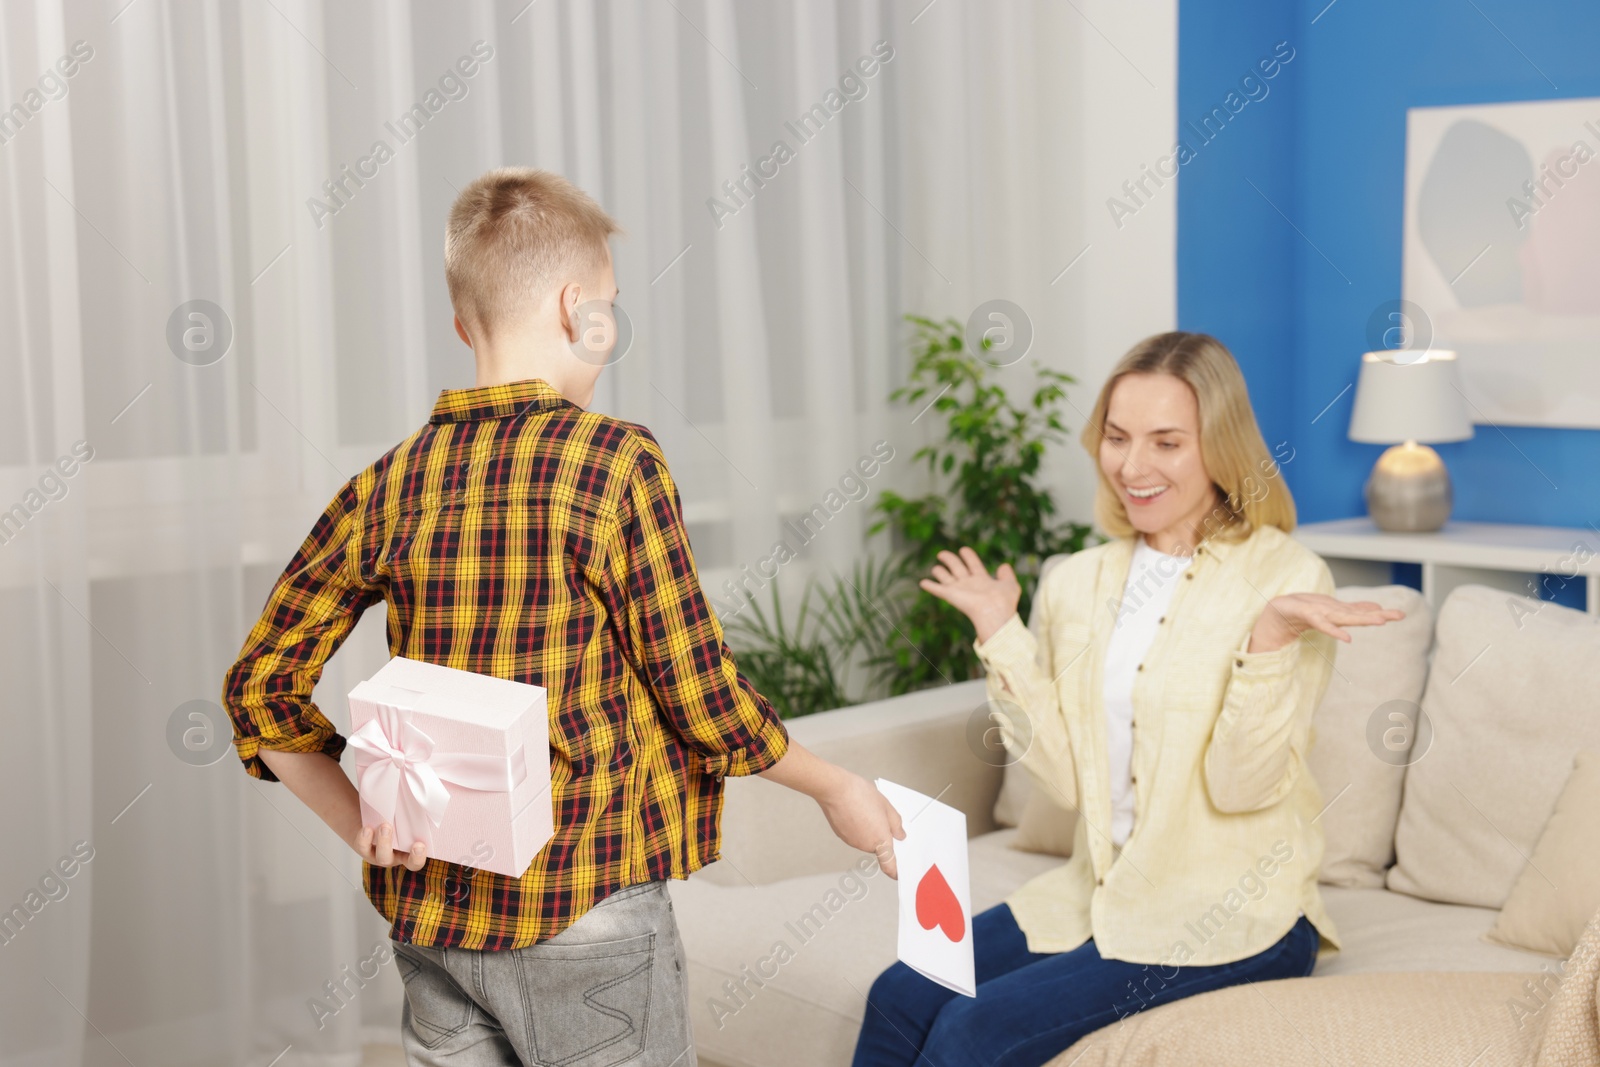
(962, 581)
(1287, 617)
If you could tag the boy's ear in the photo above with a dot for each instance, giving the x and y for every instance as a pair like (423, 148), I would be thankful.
(461, 332)
(571, 298)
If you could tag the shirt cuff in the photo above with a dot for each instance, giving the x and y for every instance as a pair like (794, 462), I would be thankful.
(1264, 665)
(1012, 643)
(330, 742)
(770, 745)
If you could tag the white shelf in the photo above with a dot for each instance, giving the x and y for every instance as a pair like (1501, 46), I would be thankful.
(1498, 555)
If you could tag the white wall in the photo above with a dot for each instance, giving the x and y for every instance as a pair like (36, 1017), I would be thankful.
(1021, 122)
(1130, 272)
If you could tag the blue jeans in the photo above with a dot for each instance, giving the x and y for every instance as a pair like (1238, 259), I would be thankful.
(1032, 1005)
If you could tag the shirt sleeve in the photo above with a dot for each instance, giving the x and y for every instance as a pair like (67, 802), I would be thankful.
(1021, 666)
(676, 639)
(312, 608)
(1259, 745)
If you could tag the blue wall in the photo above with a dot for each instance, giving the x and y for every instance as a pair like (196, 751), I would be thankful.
(1326, 146)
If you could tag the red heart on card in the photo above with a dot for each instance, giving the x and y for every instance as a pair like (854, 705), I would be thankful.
(937, 905)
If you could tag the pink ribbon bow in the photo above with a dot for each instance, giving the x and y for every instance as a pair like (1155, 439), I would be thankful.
(402, 777)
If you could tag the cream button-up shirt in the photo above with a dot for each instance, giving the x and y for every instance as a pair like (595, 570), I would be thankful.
(1225, 848)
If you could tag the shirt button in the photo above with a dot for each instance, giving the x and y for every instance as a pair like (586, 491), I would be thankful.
(1140, 667)
(1161, 620)
(1237, 662)
(1189, 576)
(1100, 881)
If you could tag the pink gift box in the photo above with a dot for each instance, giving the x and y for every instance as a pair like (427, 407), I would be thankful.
(456, 759)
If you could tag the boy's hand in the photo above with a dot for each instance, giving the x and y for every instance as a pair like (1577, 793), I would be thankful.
(317, 779)
(377, 848)
(863, 818)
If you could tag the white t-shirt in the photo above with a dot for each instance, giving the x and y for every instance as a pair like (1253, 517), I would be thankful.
(1152, 578)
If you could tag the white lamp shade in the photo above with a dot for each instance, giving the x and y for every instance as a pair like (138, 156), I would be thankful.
(1418, 401)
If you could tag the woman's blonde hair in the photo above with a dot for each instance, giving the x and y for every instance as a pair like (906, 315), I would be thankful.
(1243, 472)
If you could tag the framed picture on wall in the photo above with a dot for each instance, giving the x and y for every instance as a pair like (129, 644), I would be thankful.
(1501, 255)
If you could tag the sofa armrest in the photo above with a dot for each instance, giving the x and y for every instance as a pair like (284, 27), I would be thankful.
(919, 740)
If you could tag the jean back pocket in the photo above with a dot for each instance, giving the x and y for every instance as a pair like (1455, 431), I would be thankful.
(589, 1004)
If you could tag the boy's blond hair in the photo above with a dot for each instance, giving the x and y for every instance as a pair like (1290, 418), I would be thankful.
(513, 233)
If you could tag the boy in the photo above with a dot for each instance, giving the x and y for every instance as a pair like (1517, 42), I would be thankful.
(519, 535)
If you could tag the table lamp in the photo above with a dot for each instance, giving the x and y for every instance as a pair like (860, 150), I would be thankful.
(1407, 405)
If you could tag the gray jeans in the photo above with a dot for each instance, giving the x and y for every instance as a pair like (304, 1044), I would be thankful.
(610, 989)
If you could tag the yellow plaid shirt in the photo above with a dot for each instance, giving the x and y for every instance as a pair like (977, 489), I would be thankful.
(1225, 848)
(520, 536)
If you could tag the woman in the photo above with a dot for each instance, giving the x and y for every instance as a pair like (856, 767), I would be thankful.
(1164, 689)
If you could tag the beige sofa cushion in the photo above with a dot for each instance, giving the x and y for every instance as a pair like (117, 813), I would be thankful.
(1510, 700)
(1559, 889)
(1358, 757)
(817, 997)
(1385, 931)
(813, 1000)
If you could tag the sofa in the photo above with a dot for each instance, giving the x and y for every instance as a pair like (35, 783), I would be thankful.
(1441, 748)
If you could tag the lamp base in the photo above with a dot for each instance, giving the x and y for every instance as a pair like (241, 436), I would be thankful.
(1409, 490)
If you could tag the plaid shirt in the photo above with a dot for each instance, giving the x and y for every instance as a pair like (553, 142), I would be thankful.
(520, 536)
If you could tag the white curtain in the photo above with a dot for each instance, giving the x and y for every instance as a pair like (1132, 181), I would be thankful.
(161, 907)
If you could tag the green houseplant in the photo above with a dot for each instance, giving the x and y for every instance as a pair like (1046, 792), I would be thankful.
(876, 621)
(805, 663)
(986, 495)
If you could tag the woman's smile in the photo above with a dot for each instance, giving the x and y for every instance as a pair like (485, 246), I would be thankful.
(1144, 496)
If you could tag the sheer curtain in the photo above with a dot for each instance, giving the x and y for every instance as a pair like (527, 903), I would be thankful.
(221, 292)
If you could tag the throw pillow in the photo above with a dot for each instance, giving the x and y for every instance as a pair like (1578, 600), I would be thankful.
(1560, 888)
(1016, 785)
(1046, 826)
(1510, 701)
(1362, 733)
